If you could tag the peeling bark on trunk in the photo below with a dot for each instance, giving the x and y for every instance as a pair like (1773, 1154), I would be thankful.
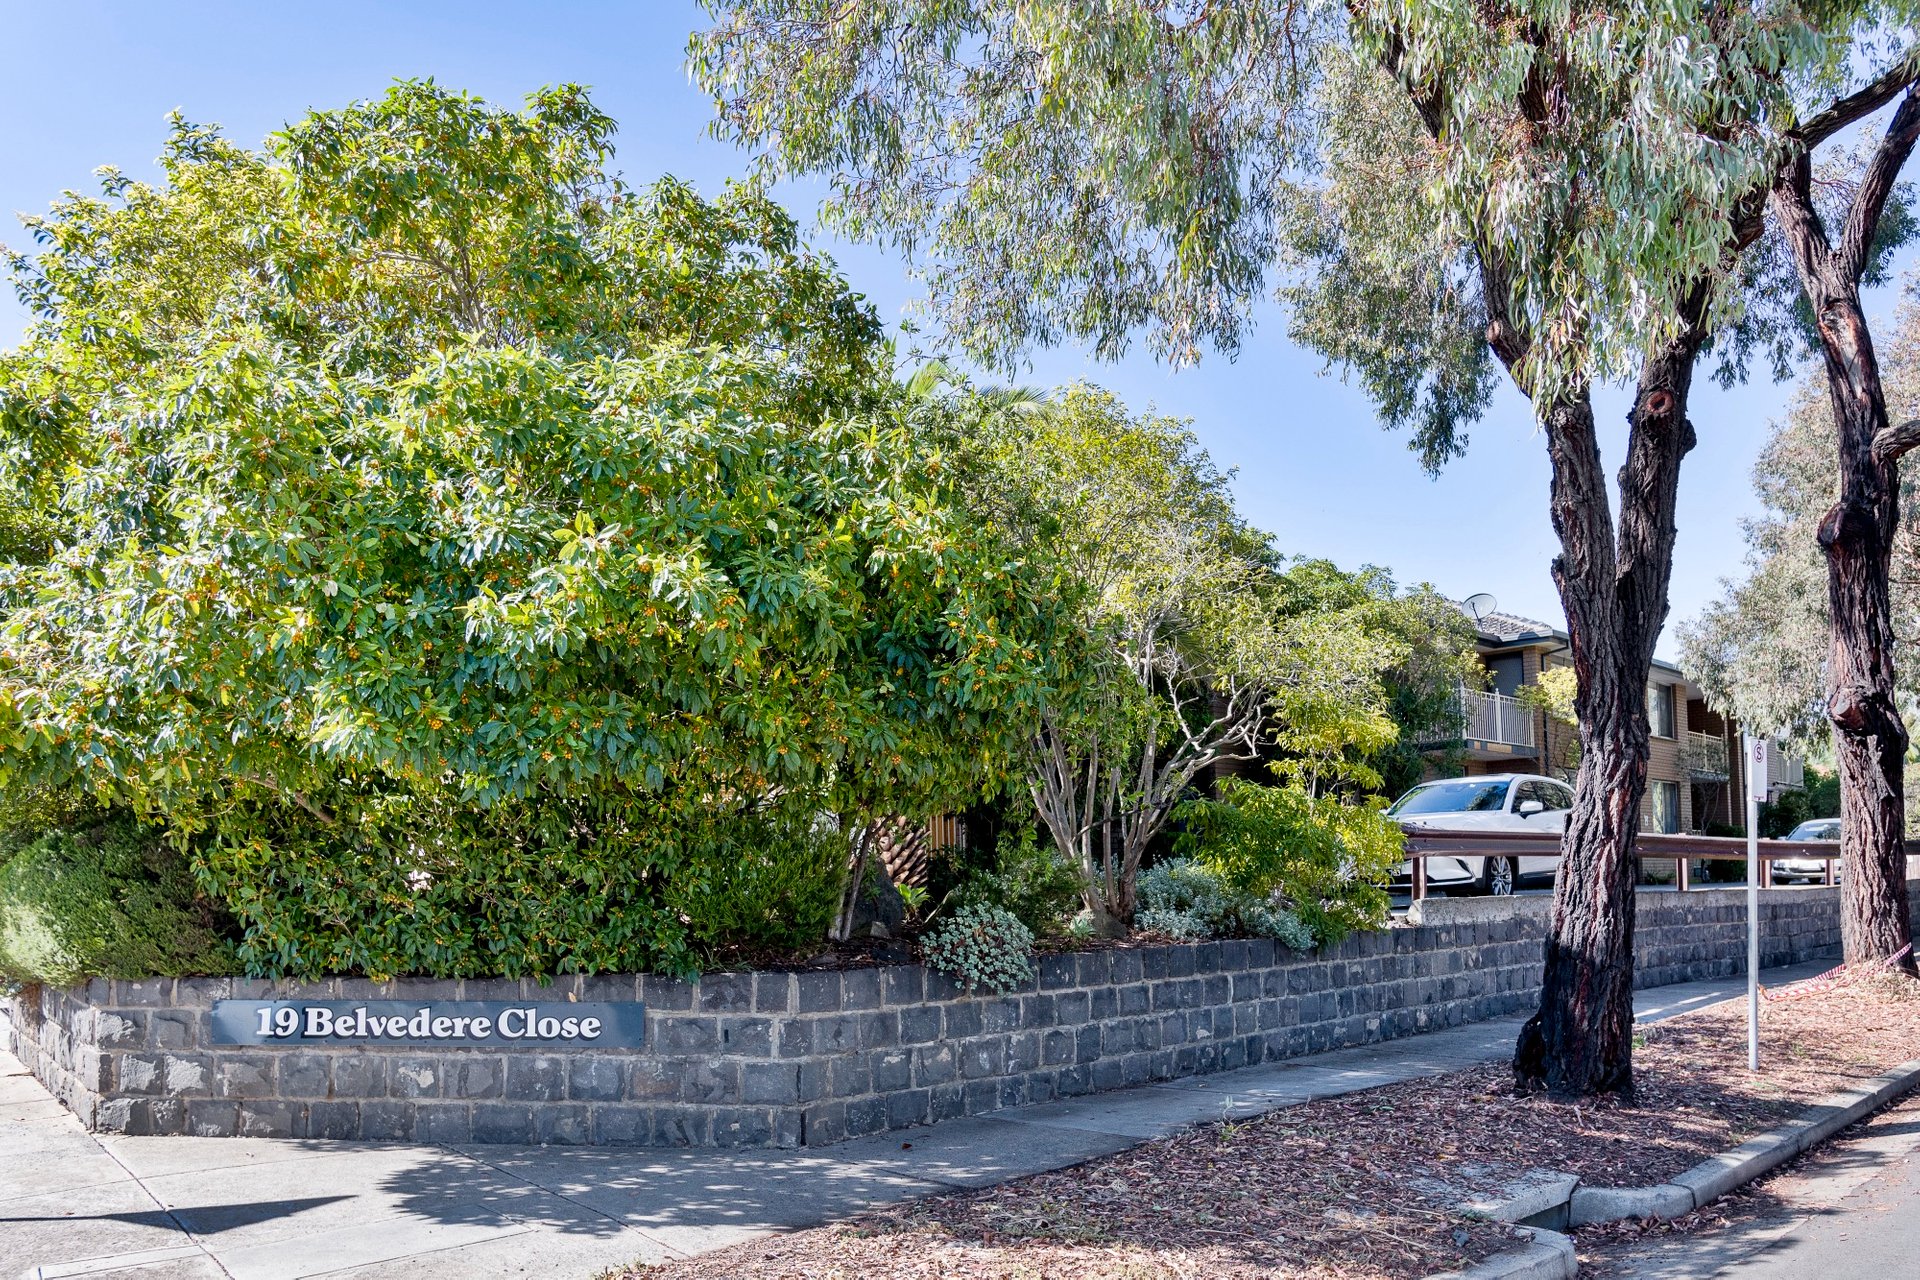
(1857, 534)
(1613, 585)
(1869, 737)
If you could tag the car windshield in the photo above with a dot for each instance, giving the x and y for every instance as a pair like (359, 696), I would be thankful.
(1462, 795)
(1819, 829)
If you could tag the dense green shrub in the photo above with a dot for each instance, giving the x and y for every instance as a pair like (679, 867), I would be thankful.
(28, 812)
(1329, 859)
(109, 897)
(1183, 899)
(1724, 870)
(436, 885)
(775, 883)
(1819, 798)
(1020, 875)
(981, 946)
(448, 607)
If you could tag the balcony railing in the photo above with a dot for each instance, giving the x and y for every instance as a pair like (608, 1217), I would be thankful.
(1785, 770)
(1494, 717)
(1486, 717)
(1705, 756)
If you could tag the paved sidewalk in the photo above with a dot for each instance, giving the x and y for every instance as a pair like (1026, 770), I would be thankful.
(76, 1204)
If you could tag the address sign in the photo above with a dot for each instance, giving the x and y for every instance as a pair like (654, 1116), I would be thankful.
(451, 1024)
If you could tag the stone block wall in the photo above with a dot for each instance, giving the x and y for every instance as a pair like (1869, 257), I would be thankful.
(1685, 937)
(796, 1059)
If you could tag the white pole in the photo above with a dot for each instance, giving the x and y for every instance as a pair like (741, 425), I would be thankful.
(1756, 783)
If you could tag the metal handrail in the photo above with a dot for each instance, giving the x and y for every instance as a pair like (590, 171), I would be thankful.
(1426, 842)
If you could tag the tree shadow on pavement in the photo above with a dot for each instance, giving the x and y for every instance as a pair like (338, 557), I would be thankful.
(206, 1220)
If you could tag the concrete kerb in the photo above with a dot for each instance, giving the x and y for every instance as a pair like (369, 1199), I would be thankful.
(1711, 1179)
(1540, 1201)
(1548, 1256)
(1610, 1204)
(1694, 1189)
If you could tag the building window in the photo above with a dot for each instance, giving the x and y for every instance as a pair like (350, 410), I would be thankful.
(1660, 710)
(1666, 806)
(1508, 673)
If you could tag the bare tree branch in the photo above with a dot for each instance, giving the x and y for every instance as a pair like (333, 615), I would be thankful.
(1891, 443)
(1876, 185)
(1861, 104)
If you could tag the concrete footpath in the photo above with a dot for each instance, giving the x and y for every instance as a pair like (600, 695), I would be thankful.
(77, 1204)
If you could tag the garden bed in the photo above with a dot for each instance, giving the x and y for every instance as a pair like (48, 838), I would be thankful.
(1365, 1187)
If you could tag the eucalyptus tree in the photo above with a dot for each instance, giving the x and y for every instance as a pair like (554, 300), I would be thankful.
(1503, 188)
(1600, 201)
(1834, 252)
(1761, 649)
(1535, 264)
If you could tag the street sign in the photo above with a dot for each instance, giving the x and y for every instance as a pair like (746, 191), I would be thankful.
(1759, 767)
(539, 1026)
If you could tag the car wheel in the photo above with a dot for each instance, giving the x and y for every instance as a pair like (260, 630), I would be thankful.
(1496, 877)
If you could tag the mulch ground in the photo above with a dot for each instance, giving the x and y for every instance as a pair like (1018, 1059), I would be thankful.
(1364, 1187)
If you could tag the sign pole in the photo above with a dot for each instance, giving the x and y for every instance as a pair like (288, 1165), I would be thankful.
(1757, 761)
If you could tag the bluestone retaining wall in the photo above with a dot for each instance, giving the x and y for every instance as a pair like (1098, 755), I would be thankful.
(793, 1059)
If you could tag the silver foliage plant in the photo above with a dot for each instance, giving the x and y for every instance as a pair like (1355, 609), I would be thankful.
(982, 946)
(1182, 899)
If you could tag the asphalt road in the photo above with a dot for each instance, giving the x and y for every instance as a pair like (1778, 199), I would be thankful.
(1850, 1211)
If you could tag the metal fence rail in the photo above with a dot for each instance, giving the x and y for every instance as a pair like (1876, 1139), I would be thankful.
(1683, 849)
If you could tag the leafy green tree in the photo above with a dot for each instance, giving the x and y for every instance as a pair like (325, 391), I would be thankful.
(1422, 689)
(438, 472)
(1066, 171)
(1198, 645)
(1556, 694)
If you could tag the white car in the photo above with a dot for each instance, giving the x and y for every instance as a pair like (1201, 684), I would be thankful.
(1490, 802)
(1808, 870)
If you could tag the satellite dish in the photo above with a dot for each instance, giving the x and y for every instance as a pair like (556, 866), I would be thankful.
(1480, 604)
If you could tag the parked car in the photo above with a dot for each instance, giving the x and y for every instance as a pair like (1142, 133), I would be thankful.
(1489, 802)
(1809, 870)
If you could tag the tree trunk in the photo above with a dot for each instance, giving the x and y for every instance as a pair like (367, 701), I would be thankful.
(1869, 736)
(1614, 589)
(1857, 534)
(860, 838)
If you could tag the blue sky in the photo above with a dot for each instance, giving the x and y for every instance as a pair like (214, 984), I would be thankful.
(91, 82)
